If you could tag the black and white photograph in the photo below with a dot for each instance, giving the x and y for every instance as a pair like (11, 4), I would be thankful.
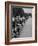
(21, 22)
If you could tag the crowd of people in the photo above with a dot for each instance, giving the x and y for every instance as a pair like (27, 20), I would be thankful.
(17, 21)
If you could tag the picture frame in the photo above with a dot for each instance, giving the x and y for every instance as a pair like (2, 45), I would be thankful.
(8, 22)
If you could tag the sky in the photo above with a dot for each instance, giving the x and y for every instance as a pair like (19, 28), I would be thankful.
(27, 10)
